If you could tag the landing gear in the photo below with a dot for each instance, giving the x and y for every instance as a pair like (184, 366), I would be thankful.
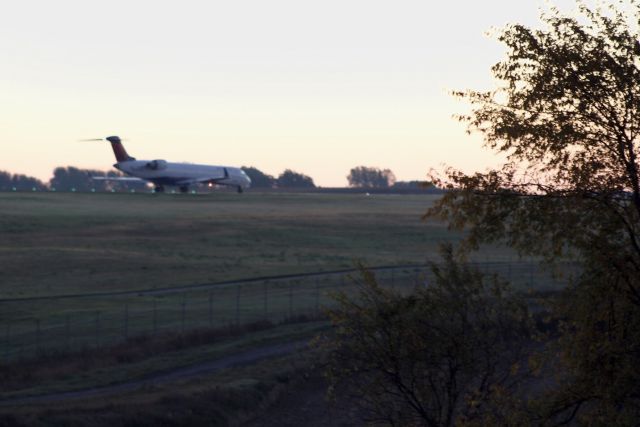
(184, 189)
(240, 189)
(159, 189)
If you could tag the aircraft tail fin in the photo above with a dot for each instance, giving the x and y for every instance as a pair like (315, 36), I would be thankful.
(118, 149)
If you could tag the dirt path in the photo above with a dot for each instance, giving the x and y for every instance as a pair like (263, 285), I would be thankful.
(246, 357)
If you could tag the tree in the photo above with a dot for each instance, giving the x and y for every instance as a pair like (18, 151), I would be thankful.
(363, 176)
(5, 181)
(20, 182)
(258, 178)
(434, 357)
(71, 178)
(74, 179)
(291, 179)
(27, 182)
(566, 113)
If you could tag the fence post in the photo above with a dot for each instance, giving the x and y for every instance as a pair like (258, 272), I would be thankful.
(317, 296)
(266, 299)
(290, 299)
(126, 321)
(37, 337)
(393, 278)
(67, 329)
(183, 311)
(155, 316)
(7, 342)
(238, 305)
(97, 329)
(210, 309)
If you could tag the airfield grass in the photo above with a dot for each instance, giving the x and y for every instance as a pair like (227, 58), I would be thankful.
(56, 243)
(144, 356)
(224, 397)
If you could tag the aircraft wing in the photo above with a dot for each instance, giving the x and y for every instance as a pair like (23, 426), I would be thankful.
(118, 178)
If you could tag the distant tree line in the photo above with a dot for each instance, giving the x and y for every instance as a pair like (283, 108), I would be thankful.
(71, 178)
(287, 179)
(74, 179)
(9, 182)
(363, 176)
(372, 177)
(359, 177)
(68, 179)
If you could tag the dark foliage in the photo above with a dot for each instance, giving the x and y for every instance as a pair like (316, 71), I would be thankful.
(422, 185)
(9, 182)
(566, 114)
(363, 176)
(437, 357)
(74, 179)
(291, 179)
(259, 179)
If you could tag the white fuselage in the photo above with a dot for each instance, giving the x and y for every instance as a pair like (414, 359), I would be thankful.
(161, 173)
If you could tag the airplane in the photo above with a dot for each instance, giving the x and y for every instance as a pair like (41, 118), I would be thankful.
(161, 173)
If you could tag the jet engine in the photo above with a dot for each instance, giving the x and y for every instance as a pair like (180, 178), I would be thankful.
(157, 165)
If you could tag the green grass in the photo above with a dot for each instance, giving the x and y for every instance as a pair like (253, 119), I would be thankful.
(139, 358)
(225, 397)
(54, 244)
(69, 243)
(59, 244)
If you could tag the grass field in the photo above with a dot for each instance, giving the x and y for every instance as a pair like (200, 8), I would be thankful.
(52, 245)
(56, 244)
(215, 397)
(75, 243)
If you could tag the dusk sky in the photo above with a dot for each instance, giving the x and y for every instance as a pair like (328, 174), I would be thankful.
(319, 87)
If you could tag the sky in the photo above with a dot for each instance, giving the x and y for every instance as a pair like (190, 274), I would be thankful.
(315, 86)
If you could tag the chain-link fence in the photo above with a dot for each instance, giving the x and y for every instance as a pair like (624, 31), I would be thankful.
(34, 326)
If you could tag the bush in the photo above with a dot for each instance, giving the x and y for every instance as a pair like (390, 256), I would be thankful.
(436, 357)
